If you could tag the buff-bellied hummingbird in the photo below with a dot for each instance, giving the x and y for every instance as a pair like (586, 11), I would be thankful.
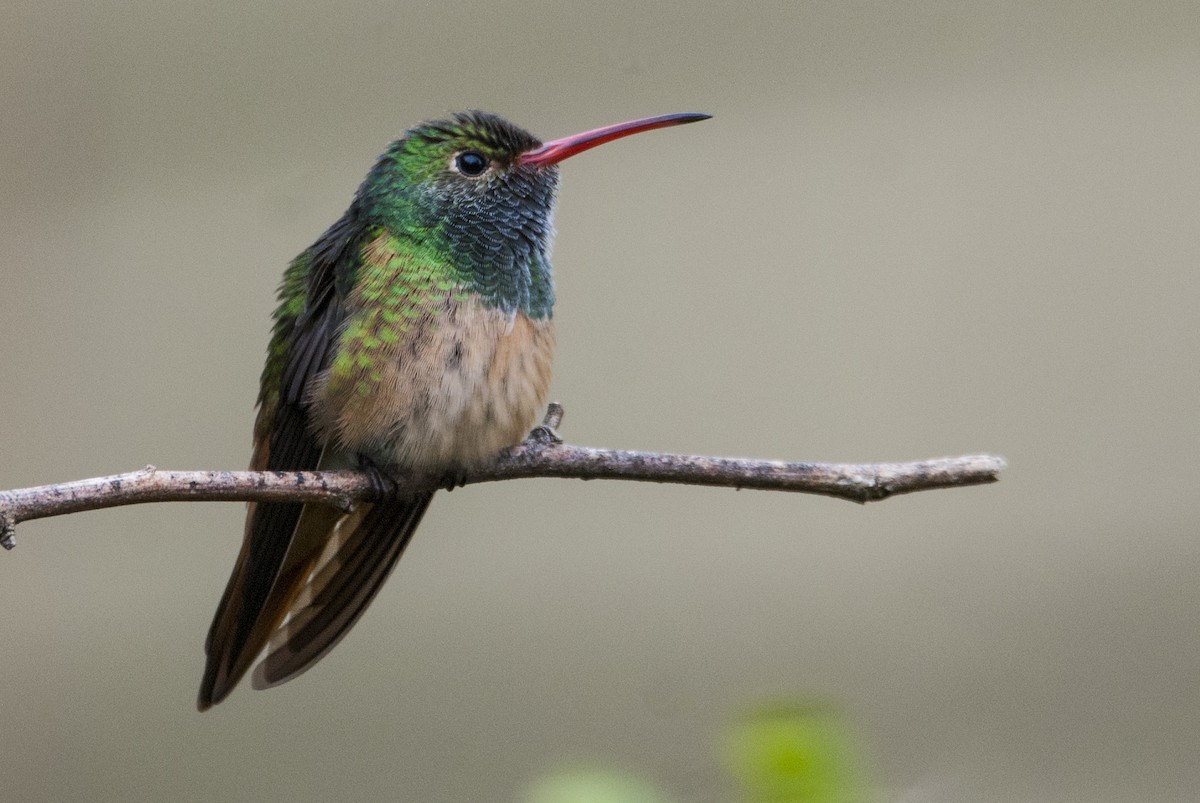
(413, 337)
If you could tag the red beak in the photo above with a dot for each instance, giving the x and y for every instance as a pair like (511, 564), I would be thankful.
(556, 150)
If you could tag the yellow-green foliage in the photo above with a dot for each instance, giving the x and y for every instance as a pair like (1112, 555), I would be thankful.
(592, 786)
(795, 753)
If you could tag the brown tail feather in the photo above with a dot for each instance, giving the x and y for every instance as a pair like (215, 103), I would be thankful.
(362, 554)
(247, 616)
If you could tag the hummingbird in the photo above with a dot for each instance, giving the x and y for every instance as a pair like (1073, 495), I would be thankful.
(414, 338)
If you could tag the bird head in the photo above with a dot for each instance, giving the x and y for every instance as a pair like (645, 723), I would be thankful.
(482, 189)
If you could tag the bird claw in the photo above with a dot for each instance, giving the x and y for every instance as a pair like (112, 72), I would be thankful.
(543, 435)
(381, 482)
(454, 478)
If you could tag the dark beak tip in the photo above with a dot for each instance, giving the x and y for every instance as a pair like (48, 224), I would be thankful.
(556, 150)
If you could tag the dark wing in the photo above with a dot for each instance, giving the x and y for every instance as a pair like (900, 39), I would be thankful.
(272, 566)
(351, 559)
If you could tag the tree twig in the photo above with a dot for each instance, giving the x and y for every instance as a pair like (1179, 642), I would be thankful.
(540, 455)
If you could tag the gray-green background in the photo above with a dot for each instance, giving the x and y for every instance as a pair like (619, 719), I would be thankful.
(910, 230)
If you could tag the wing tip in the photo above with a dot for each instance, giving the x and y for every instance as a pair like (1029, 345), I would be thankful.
(211, 690)
(260, 680)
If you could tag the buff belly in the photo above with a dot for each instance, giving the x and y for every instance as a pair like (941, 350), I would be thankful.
(460, 384)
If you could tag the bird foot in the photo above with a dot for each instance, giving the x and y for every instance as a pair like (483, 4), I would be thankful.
(543, 435)
(381, 482)
(454, 478)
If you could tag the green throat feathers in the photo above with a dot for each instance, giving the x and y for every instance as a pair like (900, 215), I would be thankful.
(488, 231)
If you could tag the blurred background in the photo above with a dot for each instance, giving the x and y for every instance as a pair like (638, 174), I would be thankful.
(910, 230)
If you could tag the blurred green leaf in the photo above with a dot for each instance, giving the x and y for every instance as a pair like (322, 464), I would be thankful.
(593, 786)
(796, 752)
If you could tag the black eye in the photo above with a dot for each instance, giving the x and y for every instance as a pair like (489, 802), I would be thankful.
(471, 163)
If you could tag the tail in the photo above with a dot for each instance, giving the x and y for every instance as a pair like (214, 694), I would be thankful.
(347, 578)
(303, 598)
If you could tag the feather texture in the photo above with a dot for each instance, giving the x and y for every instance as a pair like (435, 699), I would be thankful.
(260, 588)
(414, 335)
(360, 555)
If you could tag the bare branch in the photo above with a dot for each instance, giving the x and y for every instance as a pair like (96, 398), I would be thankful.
(541, 455)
